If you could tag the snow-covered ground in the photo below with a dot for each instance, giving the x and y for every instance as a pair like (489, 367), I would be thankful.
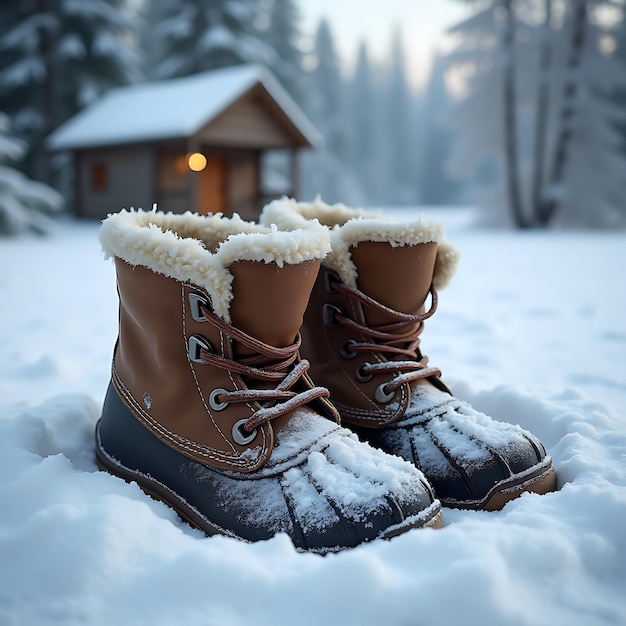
(531, 330)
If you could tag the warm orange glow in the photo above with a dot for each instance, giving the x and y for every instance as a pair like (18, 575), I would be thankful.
(196, 161)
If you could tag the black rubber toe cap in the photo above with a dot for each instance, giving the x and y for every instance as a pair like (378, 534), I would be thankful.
(259, 505)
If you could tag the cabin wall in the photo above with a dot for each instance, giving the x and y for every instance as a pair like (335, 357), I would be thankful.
(109, 179)
(173, 179)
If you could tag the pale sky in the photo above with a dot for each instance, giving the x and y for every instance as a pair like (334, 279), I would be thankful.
(422, 22)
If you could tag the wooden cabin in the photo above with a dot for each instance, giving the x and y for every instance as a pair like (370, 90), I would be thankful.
(195, 143)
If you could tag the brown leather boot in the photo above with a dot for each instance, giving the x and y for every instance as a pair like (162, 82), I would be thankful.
(210, 408)
(361, 334)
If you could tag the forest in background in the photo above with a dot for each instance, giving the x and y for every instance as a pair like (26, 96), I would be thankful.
(535, 132)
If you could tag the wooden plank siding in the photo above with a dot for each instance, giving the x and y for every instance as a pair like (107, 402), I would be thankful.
(248, 123)
(109, 179)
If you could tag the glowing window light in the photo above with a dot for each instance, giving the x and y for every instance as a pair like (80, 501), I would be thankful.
(196, 162)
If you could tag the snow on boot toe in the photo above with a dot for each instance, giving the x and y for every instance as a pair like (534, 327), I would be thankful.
(471, 460)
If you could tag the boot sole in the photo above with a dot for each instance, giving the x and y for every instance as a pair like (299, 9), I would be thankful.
(432, 517)
(540, 481)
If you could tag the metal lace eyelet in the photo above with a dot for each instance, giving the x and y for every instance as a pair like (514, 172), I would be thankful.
(344, 349)
(361, 376)
(382, 396)
(195, 302)
(329, 311)
(240, 436)
(196, 344)
(214, 403)
(329, 278)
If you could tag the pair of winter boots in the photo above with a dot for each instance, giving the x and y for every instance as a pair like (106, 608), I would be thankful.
(226, 329)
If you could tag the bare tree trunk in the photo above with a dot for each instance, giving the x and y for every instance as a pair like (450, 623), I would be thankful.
(543, 102)
(510, 119)
(552, 196)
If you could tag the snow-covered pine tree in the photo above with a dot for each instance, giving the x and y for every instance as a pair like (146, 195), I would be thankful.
(24, 203)
(95, 51)
(26, 85)
(433, 181)
(399, 105)
(280, 30)
(476, 156)
(278, 23)
(324, 171)
(186, 37)
(619, 93)
(57, 56)
(364, 156)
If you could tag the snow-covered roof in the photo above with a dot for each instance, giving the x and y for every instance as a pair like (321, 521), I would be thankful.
(171, 108)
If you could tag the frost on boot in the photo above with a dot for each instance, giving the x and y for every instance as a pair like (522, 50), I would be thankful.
(361, 334)
(210, 407)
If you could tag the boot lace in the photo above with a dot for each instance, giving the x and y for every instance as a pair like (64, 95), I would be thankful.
(401, 349)
(268, 363)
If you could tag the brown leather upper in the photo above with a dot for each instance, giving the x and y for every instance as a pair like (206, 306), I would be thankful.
(398, 277)
(269, 301)
(166, 390)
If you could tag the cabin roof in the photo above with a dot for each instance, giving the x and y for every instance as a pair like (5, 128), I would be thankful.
(174, 108)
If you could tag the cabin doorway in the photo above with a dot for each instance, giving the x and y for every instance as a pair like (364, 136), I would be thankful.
(212, 186)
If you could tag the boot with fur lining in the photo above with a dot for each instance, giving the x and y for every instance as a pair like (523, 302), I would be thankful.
(210, 408)
(361, 333)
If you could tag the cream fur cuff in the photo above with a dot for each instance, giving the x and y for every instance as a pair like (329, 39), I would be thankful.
(199, 249)
(350, 226)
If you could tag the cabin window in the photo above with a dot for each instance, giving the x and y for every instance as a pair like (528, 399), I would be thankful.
(99, 176)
